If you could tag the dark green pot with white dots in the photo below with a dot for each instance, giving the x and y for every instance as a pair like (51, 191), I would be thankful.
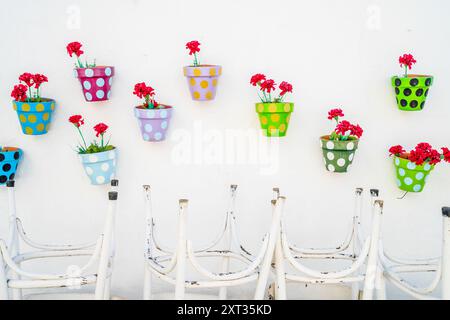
(338, 155)
(411, 91)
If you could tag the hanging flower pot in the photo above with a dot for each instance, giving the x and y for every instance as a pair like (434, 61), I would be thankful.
(153, 118)
(99, 158)
(411, 90)
(274, 114)
(9, 161)
(274, 117)
(95, 80)
(339, 148)
(34, 112)
(412, 168)
(202, 79)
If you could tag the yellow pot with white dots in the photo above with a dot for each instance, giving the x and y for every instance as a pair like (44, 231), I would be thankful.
(274, 117)
(202, 81)
(35, 116)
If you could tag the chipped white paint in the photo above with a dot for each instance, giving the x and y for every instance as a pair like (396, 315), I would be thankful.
(395, 268)
(361, 252)
(101, 252)
(171, 266)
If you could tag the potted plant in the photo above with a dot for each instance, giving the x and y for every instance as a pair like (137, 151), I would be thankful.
(202, 78)
(153, 117)
(412, 168)
(34, 112)
(274, 113)
(98, 158)
(411, 90)
(95, 80)
(9, 160)
(340, 146)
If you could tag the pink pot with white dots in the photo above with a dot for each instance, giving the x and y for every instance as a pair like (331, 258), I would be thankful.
(96, 82)
(153, 122)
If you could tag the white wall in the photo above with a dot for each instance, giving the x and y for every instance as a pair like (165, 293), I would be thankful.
(335, 53)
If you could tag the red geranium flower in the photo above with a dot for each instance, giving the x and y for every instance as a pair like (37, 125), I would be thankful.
(335, 113)
(446, 154)
(407, 60)
(257, 78)
(39, 79)
(434, 157)
(74, 48)
(356, 130)
(285, 87)
(142, 90)
(343, 127)
(100, 129)
(19, 93)
(76, 120)
(268, 85)
(27, 78)
(193, 47)
(396, 150)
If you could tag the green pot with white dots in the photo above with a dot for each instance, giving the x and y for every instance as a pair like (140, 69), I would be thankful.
(411, 177)
(338, 155)
(411, 91)
(274, 117)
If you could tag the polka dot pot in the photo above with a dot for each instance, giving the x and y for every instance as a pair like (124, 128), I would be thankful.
(100, 167)
(153, 122)
(412, 91)
(35, 117)
(411, 177)
(96, 82)
(202, 81)
(338, 155)
(274, 117)
(9, 161)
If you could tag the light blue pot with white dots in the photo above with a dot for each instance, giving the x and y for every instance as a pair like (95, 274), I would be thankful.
(410, 176)
(100, 167)
(153, 122)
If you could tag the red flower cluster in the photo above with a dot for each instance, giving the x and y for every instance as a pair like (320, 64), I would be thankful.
(33, 79)
(74, 48)
(422, 153)
(396, 150)
(193, 47)
(343, 128)
(142, 90)
(335, 113)
(268, 85)
(76, 120)
(27, 78)
(257, 78)
(100, 129)
(406, 60)
(285, 87)
(19, 93)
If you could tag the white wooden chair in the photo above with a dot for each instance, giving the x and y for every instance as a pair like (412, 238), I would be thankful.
(172, 266)
(360, 252)
(98, 269)
(395, 268)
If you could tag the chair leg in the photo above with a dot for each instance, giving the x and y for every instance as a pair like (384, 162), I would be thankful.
(3, 280)
(107, 291)
(147, 284)
(280, 282)
(380, 284)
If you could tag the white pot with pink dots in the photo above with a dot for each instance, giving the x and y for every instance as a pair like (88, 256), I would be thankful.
(95, 82)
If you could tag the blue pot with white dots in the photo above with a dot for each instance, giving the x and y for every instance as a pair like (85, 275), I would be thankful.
(100, 167)
(153, 122)
(35, 117)
(9, 161)
(410, 176)
(96, 82)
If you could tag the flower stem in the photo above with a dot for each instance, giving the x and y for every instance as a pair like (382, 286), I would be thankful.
(406, 71)
(82, 138)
